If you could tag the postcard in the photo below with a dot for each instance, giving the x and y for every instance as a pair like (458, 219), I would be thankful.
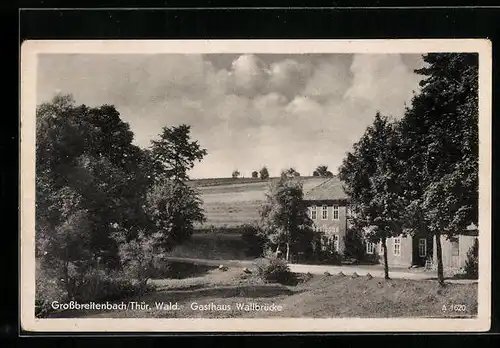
(255, 185)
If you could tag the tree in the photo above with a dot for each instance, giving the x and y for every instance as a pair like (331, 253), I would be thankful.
(255, 174)
(174, 209)
(284, 217)
(371, 179)
(264, 173)
(174, 154)
(322, 171)
(290, 173)
(235, 174)
(440, 144)
(86, 162)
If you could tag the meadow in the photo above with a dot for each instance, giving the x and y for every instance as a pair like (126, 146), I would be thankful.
(231, 202)
(228, 204)
(314, 296)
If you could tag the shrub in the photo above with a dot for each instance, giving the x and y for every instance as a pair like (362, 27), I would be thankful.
(325, 252)
(275, 271)
(354, 246)
(253, 240)
(472, 263)
(103, 285)
(93, 285)
(140, 256)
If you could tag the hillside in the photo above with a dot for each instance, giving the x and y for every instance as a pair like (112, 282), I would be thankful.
(231, 202)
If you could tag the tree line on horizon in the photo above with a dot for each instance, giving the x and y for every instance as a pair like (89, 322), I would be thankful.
(263, 173)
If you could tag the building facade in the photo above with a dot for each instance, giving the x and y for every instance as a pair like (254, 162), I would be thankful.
(455, 250)
(404, 251)
(328, 209)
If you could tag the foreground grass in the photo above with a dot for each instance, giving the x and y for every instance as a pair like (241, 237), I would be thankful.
(317, 297)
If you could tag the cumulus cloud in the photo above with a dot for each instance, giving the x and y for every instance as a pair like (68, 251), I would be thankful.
(382, 80)
(298, 111)
(288, 77)
(330, 79)
(248, 75)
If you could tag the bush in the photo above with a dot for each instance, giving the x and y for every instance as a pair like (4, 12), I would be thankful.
(275, 271)
(102, 285)
(93, 285)
(325, 252)
(472, 263)
(355, 247)
(254, 241)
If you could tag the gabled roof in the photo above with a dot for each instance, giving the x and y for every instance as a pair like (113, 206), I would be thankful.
(330, 189)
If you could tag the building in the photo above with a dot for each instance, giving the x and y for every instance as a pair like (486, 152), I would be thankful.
(455, 250)
(329, 210)
(407, 251)
(327, 204)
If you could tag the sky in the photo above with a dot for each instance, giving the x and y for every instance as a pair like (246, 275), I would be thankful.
(247, 110)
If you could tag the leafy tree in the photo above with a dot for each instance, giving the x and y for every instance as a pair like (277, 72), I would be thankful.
(235, 174)
(255, 174)
(264, 173)
(440, 144)
(290, 173)
(174, 208)
(284, 217)
(371, 179)
(174, 154)
(86, 161)
(322, 171)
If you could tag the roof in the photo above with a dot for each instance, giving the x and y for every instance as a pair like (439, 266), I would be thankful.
(328, 190)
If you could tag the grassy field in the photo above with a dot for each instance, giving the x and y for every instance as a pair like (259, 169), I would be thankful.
(228, 203)
(314, 297)
(231, 202)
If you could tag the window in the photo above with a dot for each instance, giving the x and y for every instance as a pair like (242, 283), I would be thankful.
(370, 248)
(335, 212)
(396, 246)
(324, 212)
(313, 212)
(422, 247)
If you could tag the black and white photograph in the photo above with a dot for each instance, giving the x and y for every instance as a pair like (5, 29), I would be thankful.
(303, 182)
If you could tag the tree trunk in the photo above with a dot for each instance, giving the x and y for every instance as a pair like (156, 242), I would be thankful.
(439, 256)
(287, 251)
(386, 263)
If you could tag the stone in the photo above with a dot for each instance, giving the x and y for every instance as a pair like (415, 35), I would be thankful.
(368, 276)
(355, 275)
(246, 270)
